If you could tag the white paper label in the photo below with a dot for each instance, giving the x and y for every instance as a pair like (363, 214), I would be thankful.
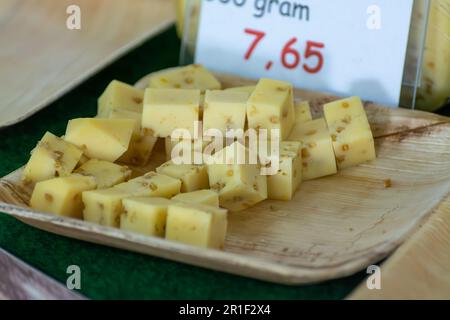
(351, 47)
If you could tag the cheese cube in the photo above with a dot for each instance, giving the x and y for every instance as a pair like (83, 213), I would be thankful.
(302, 112)
(106, 174)
(168, 109)
(317, 151)
(62, 196)
(104, 139)
(246, 89)
(271, 106)
(139, 150)
(206, 197)
(286, 181)
(145, 215)
(199, 225)
(224, 110)
(189, 77)
(350, 131)
(193, 177)
(105, 206)
(52, 157)
(120, 97)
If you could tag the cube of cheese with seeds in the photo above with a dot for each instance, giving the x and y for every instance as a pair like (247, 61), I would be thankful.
(193, 177)
(317, 149)
(152, 184)
(120, 97)
(350, 131)
(145, 215)
(52, 157)
(271, 106)
(198, 225)
(224, 110)
(302, 112)
(62, 196)
(206, 197)
(285, 182)
(139, 150)
(246, 89)
(168, 109)
(106, 174)
(189, 77)
(104, 139)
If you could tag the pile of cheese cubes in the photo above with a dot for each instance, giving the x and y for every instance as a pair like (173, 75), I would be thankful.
(84, 174)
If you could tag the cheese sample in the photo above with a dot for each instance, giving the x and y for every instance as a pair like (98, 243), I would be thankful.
(271, 106)
(105, 206)
(104, 139)
(199, 225)
(118, 99)
(302, 112)
(145, 215)
(350, 131)
(62, 196)
(286, 181)
(139, 150)
(224, 110)
(205, 197)
(194, 76)
(51, 157)
(246, 89)
(168, 109)
(317, 149)
(193, 177)
(106, 174)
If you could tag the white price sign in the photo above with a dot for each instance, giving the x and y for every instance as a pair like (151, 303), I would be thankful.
(346, 47)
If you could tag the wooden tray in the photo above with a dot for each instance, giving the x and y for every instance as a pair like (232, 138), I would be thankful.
(335, 226)
(40, 59)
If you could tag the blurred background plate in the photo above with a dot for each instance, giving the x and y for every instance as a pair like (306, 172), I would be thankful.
(41, 59)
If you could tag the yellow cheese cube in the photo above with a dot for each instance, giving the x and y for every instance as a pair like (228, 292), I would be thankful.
(139, 150)
(120, 97)
(271, 106)
(350, 131)
(189, 77)
(82, 161)
(317, 149)
(62, 196)
(205, 197)
(286, 181)
(224, 110)
(193, 177)
(168, 109)
(199, 225)
(105, 206)
(52, 157)
(104, 139)
(246, 89)
(302, 112)
(145, 215)
(106, 174)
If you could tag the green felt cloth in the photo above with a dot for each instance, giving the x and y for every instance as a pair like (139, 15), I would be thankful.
(109, 273)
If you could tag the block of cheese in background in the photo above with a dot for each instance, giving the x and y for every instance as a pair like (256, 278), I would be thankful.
(350, 132)
(140, 150)
(193, 177)
(205, 197)
(271, 106)
(188, 145)
(302, 111)
(317, 149)
(106, 174)
(168, 109)
(224, 110)
(145, 215)
(51, 157)
(199, 225)
(286, 181)
(119, 98)
(105, 206)
(104, 139)
(246, 89)
(62, 196)
(194, 76)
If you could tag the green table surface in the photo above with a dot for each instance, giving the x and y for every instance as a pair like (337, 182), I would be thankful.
(108, 273)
